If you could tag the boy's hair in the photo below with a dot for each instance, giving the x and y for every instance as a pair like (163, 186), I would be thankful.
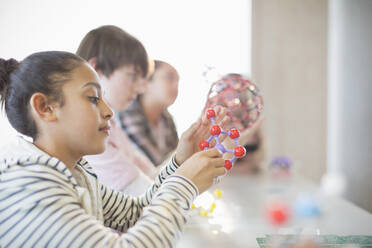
(43, 72)
(113, 47)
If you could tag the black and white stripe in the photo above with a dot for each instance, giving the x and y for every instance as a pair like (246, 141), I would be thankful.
(40, 206)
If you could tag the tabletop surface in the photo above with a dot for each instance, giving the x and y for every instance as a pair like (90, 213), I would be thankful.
(239, 218)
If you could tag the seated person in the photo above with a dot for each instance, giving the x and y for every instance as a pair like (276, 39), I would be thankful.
(122, 65)
(121, 69)
(147, 121)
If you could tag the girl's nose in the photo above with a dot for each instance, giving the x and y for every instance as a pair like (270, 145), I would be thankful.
(107, 111)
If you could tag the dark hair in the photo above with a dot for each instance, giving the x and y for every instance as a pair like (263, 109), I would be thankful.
(43, 72)
(113, 48)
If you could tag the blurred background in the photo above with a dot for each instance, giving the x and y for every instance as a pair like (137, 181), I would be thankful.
(312, 60)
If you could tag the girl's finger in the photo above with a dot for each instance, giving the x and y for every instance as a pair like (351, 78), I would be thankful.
(224, 121)
(218, 162)
(191, 130)
(222, 137)
(217, 110)
(221, 171)
(212, 153)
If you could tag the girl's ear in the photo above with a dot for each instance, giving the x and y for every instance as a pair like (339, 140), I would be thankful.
(93, 63)
(41, 107)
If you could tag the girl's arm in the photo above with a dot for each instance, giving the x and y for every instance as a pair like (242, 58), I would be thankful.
(140, 160)
(121, 214)
(40, 207)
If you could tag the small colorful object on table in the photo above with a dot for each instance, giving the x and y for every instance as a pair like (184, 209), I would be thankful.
(306, 207)
(280, 166)
(217, 194)
(278, 212)
(281, 162)
(238, 152)
(207, 205)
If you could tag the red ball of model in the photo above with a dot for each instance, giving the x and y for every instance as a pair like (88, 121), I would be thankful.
(203, 144)
(215, 130)
(278, 213)
(228, 164)
(210, 113)
(239, 151)
(234, 133)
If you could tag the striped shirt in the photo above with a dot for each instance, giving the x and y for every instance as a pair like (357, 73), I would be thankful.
(43, 205)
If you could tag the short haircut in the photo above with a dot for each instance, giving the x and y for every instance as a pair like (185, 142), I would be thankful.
(113, 48)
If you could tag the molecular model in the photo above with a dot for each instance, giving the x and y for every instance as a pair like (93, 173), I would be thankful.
(278, 212)
(280, 167)
(305, 207)
(204, 210)
(215, 131)
(281, 162)
(240, 96)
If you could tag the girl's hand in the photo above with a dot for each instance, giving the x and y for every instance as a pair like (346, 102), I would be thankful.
(202, 168)
(198, 131)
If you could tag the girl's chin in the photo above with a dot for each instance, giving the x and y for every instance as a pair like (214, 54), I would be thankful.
(97, 150)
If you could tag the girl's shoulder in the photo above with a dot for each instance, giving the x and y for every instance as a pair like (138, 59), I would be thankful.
(22, 159)
(87, 167)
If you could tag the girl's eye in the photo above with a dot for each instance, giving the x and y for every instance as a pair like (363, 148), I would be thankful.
(94, 99)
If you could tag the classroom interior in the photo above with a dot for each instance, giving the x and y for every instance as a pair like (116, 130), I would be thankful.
(311, 61)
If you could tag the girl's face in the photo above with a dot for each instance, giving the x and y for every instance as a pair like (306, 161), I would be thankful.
(122, 86)
(164, 85)
(84, 117)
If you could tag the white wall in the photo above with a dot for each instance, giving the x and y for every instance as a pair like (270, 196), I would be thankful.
(349, 97)
(188, 34)
(289, 62)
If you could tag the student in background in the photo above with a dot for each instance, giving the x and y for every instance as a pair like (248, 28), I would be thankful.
(147, 121)
(122, 65)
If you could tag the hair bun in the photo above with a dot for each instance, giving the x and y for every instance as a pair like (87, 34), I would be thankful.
(6, 68)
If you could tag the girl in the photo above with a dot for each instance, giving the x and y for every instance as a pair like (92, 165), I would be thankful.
(49, 195)
(147, 120)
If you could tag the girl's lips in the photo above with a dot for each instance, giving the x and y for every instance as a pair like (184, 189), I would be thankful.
(105, 129)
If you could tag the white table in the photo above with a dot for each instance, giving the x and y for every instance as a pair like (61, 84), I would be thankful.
(238, 218)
